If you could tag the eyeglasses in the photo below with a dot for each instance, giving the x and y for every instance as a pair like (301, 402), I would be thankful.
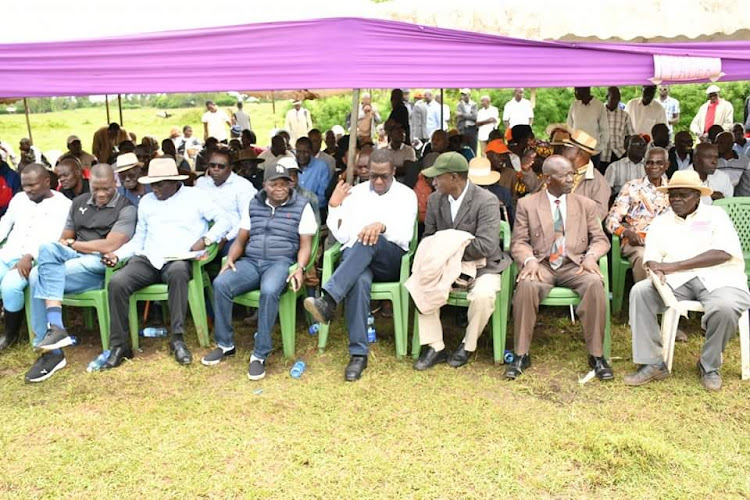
(382, 177)
(655, 162)
(218, 165)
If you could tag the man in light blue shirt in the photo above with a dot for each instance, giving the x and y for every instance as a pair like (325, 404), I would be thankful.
(172, 221)
(433, 113)
(313, 172)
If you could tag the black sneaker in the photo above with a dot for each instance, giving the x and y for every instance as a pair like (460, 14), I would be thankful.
(55, 338)
(257, 369)
(214, 357)
(320, 309)
(46, 366)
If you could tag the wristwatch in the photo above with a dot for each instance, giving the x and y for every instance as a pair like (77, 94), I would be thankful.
(207, 241)
(70, 241)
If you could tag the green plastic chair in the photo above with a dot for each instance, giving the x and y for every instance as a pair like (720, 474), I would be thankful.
(196, 300)
(738, 210)
(499, 320)
(565, 297)
(620, 266)
(287, 303)
(392, 291)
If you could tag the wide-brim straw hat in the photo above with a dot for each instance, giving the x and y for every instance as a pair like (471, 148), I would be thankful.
(126, 161)
(481, 173)
(582, 141)
(162, 169)
(686, 179)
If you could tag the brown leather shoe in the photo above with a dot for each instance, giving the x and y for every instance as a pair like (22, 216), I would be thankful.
(647, 373)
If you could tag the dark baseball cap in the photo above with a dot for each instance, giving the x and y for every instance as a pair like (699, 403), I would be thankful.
(276, 172)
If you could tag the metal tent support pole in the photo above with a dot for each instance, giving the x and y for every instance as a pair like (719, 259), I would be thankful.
(28, 121)
(352, 137)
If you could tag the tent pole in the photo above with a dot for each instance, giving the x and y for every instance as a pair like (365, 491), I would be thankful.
(352, 137)
(273, 106)
(442, 119)
(28, 122)
(119, 105)
(106, 102)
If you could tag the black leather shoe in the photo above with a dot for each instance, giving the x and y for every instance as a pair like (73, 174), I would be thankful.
(116, 355)
(321, 310)
(430, 358)
(517, 366)
(354, 369)
(460, 357)
(601, 368)
(181, 353)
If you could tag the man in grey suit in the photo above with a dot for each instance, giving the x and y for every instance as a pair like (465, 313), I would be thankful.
(460, 204)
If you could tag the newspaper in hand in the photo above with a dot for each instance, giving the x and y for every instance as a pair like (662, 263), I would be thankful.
(190, 255)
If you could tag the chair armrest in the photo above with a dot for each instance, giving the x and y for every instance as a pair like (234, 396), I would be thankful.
(330, 257)
(604, 268)
(211, 251)
(616, 255)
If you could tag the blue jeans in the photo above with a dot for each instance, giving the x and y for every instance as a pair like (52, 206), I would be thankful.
(12, 286)
(252, 274)
(352, 280)
(60, 270)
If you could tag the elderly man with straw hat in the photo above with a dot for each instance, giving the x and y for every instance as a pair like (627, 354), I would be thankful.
(587, 180)
(460, 205)
(695, 250)
(129, 170)
(173, 220)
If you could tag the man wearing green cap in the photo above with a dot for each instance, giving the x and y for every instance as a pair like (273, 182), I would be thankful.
(459, 204)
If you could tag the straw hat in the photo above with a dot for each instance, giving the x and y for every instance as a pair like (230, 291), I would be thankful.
(126, 161)
(248, 155)
(480, 172)
(686, 179)
(162, 169)
(582, 141)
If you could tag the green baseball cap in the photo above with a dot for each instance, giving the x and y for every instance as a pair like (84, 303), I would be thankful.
(447, 163)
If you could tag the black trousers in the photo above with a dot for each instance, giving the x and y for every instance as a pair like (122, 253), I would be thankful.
(139, 273)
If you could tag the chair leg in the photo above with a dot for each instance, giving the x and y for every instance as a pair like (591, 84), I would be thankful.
(618, 285)
(198, 312)
(27, 311)
(88, 318)
(133, 322)
(288, 322)
(745, 345)
(398, 325)
(668, 332)
(102, 316)
(415, 344)
(405, 320)
(499, 328)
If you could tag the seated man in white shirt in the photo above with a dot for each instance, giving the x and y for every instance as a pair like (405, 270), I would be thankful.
(731, 163)
(374, 221)
(34, 217)
(229, 191)
(172, 220)
(626, 169)
(706, 162)
(695, 250)
(276, 231)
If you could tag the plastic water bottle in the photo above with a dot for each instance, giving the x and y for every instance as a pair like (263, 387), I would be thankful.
(508, 357)
(298, 369)
(314, 329)
(153, 332)
(97, 363)
(371, 336)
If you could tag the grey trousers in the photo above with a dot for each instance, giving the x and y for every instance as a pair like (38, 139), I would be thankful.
(723, 308)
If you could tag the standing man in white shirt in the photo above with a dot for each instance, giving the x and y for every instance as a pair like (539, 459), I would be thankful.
(671, 108)
(706, 162)
(172, 220)
(620, 127)
(446, 112)
(229, 191)
(298, 121)
(715, 111)
(518, 111)
(731, 163)
(695, 250)
(432, 122)
(374, 221)
(645, 112)
(241, 118)
(215, 123)
(488, 117)
(34, 217)
(589, 115)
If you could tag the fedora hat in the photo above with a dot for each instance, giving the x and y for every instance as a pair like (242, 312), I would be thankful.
(162, 169)
(126, 161)
(480, 172)
(686, 179)
(248, 155)
(582, 141)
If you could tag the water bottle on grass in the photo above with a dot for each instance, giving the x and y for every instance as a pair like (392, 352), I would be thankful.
(371, 336)
(153, 332)
(97, 363)
(298, 369)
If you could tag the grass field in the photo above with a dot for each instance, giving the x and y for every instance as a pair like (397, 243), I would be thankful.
(50, 130)
(153, 429)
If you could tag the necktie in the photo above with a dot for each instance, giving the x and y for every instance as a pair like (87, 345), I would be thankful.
(557, 254)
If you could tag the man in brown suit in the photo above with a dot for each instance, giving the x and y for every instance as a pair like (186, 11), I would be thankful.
(557, 241)
(459, 204)
(587, 180)
(106, 139)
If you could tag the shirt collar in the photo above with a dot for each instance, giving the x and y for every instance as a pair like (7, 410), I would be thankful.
(552, 198)
(111, 202)
(589, 173)
(461, 196)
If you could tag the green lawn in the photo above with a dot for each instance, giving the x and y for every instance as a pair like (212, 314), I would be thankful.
(154, 429)
(50, 130)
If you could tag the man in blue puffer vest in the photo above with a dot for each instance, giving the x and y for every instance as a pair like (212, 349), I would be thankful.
(275, 232)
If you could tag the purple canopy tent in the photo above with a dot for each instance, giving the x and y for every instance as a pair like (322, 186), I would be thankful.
(333, 53)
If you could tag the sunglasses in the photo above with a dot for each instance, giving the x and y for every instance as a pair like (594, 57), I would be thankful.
(218, 165)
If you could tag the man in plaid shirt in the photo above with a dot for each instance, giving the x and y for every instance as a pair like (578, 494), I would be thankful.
(620, 127)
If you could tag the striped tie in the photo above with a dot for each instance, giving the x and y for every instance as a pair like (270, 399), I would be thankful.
(557, 254)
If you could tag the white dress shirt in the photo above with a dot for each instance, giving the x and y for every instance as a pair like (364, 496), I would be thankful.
(517, 112)
(233, 196)
(645, 117)
(397, 209)
(553, 206)
(672, 239)
(455, 205)
(172, 226)
(217, 124)
(718, 181)
(734, 167)
(483, 132)
(26, 224)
